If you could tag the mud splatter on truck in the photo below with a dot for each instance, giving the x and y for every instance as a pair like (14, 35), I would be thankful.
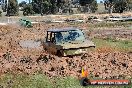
(67, 41)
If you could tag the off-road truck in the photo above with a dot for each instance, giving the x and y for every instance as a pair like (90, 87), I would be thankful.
(25, 23)
(67, 42)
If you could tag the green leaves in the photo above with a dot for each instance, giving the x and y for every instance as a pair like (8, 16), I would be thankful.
(12, 9)
(28, 10)
(116, 5)
(84, 2)
(91, 5)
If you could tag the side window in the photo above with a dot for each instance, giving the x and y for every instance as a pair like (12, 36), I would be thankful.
(59, 37)
(48, 36)
(52, 37)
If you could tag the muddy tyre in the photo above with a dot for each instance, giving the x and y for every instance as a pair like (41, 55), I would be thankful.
(59, 53)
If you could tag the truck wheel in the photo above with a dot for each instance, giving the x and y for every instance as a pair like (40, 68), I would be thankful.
(59, 53)
(85, 82)
(45, 49)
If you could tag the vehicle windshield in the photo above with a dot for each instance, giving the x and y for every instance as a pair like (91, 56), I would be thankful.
(69, 36)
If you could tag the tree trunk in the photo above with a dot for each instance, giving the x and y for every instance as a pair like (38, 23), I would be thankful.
(89, 8)
(110, 10)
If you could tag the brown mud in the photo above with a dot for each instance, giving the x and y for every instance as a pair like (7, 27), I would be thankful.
(103, 63)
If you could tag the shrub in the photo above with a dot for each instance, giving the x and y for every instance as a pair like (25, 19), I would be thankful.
(28, 10)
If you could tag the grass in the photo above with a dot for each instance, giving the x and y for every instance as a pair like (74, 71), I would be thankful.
(25, 81)
(41, 81)
(111, 24)
(121, 45)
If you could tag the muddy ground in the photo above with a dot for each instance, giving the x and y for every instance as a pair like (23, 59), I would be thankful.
(103, 62)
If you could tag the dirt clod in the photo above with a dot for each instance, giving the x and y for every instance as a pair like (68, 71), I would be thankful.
(103, 63)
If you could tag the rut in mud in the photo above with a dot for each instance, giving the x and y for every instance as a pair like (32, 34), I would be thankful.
(103, 65)
(19, 57)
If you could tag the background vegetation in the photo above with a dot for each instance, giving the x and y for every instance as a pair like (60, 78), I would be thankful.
(64, 6)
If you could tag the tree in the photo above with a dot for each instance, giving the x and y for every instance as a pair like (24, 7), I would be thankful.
(22, 4)
(4, 7)
(36, 6)
(45, 7)
(120, 6)
(109, 4)
(12, 8)
(60, 3)
(28, 10)
(67, 6)
(94, 6)
(48, 6)
(91, 5)
(129, 5)
(29, 1)
(101, 1)
(41, 6)
(115, 5)
(53, 8)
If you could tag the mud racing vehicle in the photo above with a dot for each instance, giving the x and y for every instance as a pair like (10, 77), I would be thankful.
(25, 23)
(67, 42)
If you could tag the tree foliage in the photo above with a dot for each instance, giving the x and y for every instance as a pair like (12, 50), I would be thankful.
(109, 5)
(41, 6)
(85, 2)
(28, 10)
(12, 8)
(120, 6)
(4, 7)
(129, 4)
(91, 5)
(48, 6)
(116, 5)
(94, 6)
(22, 4)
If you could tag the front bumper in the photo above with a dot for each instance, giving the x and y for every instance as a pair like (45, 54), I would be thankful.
(74, 52)
(68, 52)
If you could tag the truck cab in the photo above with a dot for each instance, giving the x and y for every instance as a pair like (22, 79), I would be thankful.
(67, 42)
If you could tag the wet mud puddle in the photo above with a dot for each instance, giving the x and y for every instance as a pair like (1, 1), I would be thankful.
(30, 44)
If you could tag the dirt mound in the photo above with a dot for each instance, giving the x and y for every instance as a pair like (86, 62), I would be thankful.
(103, 65)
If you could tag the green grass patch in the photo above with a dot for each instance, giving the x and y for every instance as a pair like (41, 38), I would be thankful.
(25, 81)
(122, 45)
(110, 24)
(41, 81)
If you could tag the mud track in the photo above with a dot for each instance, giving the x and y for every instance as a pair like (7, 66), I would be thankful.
(16, 59)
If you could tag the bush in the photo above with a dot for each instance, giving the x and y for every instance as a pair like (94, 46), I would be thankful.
(28, 10)
(13, 8)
